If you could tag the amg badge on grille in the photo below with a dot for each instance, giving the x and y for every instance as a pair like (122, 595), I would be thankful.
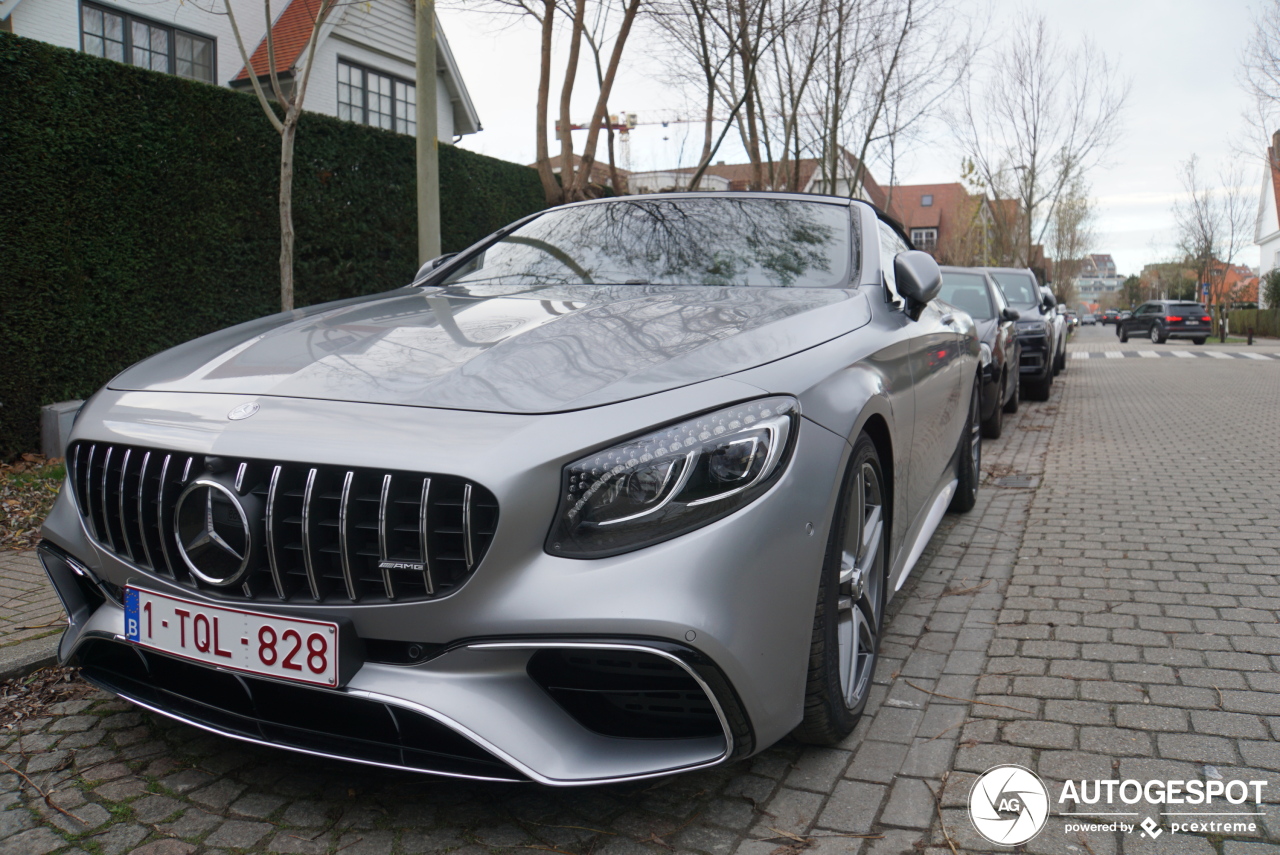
(414, 566)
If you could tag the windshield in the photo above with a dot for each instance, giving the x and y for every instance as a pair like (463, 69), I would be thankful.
(1019, 288)
(968, 291)
(679, 241)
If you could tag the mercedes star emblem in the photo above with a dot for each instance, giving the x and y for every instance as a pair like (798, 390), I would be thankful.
(213, 533)
(243, 411)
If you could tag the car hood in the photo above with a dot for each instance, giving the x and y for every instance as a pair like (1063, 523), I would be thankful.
(505, 349)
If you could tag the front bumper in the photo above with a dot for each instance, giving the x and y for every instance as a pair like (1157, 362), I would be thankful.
(1035, 354)
(730, 605)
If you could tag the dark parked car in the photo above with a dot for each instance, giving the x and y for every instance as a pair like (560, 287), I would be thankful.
(1161, 320)
(976, 293)
(620, 491)
(1061, 329)
(1110, 316)
(1038, 328)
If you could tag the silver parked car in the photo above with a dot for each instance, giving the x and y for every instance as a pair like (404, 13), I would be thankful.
(572, 508)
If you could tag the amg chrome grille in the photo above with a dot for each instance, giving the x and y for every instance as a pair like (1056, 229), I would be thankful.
(328, 533)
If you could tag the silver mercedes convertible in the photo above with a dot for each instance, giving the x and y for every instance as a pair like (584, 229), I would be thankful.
(622, 490)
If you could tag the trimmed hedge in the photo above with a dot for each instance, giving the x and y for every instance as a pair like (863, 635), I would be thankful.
(1264, 322)
(139, 210)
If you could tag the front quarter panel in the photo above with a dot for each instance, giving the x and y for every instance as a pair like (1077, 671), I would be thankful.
(845, 383)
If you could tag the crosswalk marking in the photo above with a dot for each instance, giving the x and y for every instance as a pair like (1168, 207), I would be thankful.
(1179, 354)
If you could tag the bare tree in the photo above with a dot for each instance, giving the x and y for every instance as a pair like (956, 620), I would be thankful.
(1045, 115)
(288, 101)
(1214, 224)
(839, 81)
(1071, 236)
(574, 184)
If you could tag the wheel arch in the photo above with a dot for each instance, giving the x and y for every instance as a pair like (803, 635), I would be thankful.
(877, 429)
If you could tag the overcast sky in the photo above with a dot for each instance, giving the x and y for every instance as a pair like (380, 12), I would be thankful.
(1181, 55)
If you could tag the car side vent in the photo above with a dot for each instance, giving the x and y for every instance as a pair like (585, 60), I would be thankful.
(626, 693)
(321, 533)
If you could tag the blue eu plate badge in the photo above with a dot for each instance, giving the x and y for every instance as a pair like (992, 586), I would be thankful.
(131, 614)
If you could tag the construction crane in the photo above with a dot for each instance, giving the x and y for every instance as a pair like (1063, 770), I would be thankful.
(623, 123)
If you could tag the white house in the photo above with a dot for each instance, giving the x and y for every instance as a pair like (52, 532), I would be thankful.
(1266, 233)
(364, 63)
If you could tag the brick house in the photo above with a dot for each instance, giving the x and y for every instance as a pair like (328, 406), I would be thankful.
(805, 175)
(945, 220)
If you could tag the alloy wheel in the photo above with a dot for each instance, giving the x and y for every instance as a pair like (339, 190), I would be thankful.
(860, 597)
(1155, 334)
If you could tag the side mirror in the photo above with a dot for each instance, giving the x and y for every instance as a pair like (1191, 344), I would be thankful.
(1048, 301)
(433, 264)
(1011, 314)
(918, 278)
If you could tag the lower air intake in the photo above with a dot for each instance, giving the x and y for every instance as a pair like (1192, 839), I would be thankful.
(315, 721)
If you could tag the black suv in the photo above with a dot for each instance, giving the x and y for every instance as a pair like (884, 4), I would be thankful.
(1161, 320)
(1037, 329)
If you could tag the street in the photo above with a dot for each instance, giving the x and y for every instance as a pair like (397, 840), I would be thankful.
(1108, 610)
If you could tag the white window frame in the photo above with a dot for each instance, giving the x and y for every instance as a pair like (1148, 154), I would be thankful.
(129, 19)
(926, 239)
(400, 99)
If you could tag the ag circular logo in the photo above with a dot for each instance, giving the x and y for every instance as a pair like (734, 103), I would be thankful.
(1008, 805)
(213, 533)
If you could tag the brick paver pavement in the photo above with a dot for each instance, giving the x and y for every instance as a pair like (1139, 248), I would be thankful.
(28, 607)
(1127, 617)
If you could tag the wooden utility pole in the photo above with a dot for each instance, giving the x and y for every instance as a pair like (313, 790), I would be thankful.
(428, 161)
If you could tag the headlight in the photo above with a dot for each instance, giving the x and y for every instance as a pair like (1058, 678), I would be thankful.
(984, 351)
(671, 481)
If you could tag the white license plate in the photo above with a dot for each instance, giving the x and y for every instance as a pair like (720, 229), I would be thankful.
(288, 648)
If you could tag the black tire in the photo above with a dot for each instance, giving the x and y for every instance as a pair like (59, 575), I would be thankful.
(1157, 335)
(850, 606)
(968, 461)
(1124, 334)
(1011, 405)
(1198, 341)
(993, 425)
(1037, 389)
(1062, 359)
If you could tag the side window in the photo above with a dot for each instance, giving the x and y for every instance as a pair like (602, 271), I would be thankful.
(890, 245)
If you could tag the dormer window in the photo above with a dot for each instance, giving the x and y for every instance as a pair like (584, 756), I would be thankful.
(926, 201)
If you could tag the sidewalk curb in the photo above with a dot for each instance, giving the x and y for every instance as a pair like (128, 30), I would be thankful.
(21, 659)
